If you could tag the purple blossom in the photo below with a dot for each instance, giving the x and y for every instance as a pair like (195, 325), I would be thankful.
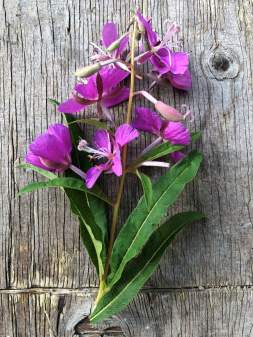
(149, 121)
(108, 147)
(51, 151)
(102, 89)
(174, 66)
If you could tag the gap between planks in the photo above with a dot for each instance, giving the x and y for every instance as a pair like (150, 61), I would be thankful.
(91, 290)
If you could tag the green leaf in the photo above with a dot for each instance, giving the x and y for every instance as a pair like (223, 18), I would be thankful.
(92, 228)
(65, 182)
(44, 173)
(53, 101)
(157, 152)
(147, 187)
(142, 222)
(92, 122)
(195, 136)
(140, 269)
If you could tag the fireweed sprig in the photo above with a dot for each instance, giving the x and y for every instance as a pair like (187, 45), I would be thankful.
(123, 262)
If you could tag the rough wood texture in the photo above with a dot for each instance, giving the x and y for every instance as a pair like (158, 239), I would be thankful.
(41, 44)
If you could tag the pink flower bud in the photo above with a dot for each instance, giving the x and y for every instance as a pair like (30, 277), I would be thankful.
(168, 112)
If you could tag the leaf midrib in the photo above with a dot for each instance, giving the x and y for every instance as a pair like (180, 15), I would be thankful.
(143, 223)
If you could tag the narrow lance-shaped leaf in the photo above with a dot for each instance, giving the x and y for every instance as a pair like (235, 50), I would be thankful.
(147, 188)
(140, 269)
(47, 174)
(65, 182)
(142, 222)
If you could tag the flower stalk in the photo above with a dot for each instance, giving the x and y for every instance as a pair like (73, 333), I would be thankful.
(124, 156)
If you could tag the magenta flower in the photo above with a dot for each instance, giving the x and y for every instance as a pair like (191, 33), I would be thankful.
(149, 121)
(102, 89)
(51, 151)
(110, 35)
(108, 147)
(174, 66)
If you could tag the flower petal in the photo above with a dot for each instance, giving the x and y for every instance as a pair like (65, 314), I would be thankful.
(101, 140)
(62, 134)
(116, 97)
(179, 62)
(35, 160)
(109, 34)
(116, 162)
(89, 90)
(183, 82)
(147, 120)
(125, 133)
(93, 174)
(177, 133)
(151, 35)
(112, 77)
(70, 106)
(122, 46)
(177, 156)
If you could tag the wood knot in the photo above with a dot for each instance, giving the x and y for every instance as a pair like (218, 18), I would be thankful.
(221, 63)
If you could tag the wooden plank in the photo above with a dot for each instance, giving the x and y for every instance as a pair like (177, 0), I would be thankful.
(41, 44)
(211, 312)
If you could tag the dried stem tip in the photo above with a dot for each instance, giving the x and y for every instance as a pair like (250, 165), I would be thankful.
(88, 70)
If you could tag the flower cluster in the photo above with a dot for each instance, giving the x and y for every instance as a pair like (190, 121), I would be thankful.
(123, 263)
(102, 84)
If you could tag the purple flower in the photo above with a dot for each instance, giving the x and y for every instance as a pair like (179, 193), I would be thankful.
(108, 147)
(110, 35)
(149, 121)
(51, 151)
(174, 66)
(102, 89)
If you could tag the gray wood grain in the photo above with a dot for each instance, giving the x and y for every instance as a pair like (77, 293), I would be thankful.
(41, 44)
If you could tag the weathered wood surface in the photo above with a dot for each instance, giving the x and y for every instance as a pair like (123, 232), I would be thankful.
(41, 44)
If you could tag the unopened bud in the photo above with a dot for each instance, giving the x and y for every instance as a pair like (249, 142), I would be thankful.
(115, 44)
(168, 112)
(88, 70)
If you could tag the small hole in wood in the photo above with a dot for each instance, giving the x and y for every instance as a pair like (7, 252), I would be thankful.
(220, 63)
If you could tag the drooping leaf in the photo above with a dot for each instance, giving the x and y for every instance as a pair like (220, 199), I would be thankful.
(65, 182)
(140, 269)
(142, 222)
(147, 188)
(157, 152)
(92, 228)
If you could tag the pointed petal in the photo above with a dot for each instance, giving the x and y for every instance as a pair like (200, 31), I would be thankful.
(125, 133)
(147, 120)
(102, 141)
(109, 34)
(71, 106)
(151, 35)
(116, 97)
(89, 90)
